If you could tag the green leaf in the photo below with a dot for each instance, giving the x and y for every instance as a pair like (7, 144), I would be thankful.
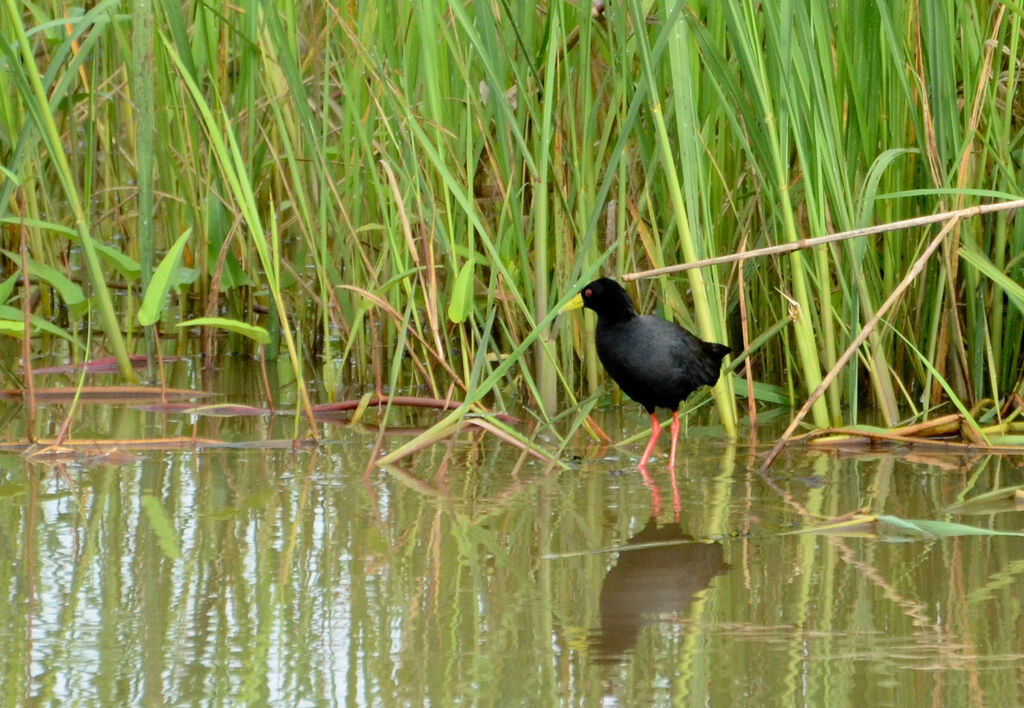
(869, 190)
(10, 175)
(12, 328)
(184, 276)
(257, 334)
(39, 224)
(156, 293)
(462, 294)
(14, 314)
(1013, 290)
(70, 292)
(7, 287)
(764, 392)
(127, 266)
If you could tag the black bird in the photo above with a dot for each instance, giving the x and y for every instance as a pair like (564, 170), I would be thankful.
(656, 362)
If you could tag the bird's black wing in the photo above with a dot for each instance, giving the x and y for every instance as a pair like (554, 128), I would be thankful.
(656, 362)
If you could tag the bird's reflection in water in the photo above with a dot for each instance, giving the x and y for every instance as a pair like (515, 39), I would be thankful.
(651, 585)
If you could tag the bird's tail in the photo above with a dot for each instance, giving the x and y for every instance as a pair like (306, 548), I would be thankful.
(715, 352)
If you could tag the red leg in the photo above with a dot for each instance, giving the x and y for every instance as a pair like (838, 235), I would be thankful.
(655, 432)
(675, 436)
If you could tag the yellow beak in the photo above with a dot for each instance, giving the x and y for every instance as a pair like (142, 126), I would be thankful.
(575, 304)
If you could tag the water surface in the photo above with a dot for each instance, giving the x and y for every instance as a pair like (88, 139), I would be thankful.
(473, 575)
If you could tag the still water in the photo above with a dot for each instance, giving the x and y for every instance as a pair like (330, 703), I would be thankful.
(473, 575)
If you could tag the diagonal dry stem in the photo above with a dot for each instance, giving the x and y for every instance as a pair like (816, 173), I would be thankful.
(862, 336)
(831, 238)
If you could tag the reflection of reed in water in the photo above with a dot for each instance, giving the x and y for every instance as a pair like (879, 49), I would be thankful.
(646, 584)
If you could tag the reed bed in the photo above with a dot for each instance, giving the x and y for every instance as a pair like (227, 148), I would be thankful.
(402, 194)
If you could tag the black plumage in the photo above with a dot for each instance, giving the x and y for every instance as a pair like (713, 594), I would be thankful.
(657, 363)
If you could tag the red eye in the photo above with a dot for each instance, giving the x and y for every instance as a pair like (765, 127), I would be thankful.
(588, 292)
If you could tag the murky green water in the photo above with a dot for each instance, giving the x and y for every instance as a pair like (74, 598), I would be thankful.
(474, 576)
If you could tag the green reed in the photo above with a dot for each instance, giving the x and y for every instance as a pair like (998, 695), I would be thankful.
(411, 190)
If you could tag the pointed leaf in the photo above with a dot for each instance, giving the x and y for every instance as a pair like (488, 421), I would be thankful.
(462, 294)
(1014, 291)
(128, 267)
(7, 287)
(38, 323)
(156, 293)
(257, 334)
(12, 329)
(70, 292)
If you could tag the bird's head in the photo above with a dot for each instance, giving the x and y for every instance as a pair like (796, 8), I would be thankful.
(605, 297)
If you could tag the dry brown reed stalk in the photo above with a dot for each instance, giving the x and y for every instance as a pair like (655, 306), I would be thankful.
(830, 238)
